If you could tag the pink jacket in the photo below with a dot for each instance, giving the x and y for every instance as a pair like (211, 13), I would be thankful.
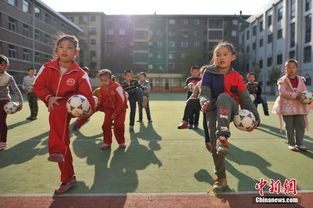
(286, 103)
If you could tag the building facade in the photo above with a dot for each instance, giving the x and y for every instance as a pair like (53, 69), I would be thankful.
(283, 29)
(27, 31)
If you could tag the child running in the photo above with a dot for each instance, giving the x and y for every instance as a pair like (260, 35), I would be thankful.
(222, 91)
(145, 101)
(288, 105)
(31, 96)
(113, 102)
(255, 89)
(7, 85)
(56, 82)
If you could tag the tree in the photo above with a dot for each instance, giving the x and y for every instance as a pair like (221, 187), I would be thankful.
(273, 76)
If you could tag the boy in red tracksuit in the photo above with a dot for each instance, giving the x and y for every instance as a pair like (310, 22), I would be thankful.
(113, 102)
(56, 82)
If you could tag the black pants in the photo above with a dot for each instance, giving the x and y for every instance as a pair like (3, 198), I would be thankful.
(192, 111)
(33, 104)
(132, 102)
(205, 129)
(147, 111)
(261, 100)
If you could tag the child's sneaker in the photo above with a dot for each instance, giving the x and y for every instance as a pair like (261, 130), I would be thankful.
(122, 146)
(56, 157)
(302, 148)
(292, 147)
(190, 127)
(3, 145)
(65, 186)
(183, 125)
(105, 146)
(219, 185)
(221, 146)
(195, 126)
(266, 113)
(208, 146)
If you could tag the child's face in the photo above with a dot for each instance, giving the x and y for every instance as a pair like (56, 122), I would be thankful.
(32, 72)
(142, 78)
(195, 73)
(291, 69)
(105, 81)
(251, 78)
(223, 57)
(3, 67)
(128, 76)
(66, 51)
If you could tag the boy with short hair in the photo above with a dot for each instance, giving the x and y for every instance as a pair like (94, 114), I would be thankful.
(7, 85)
(255, 89)
(194, 78)
(31, 96)
(145, 103)
(135, 94)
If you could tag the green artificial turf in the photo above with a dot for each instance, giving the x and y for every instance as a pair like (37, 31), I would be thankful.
(159, 157)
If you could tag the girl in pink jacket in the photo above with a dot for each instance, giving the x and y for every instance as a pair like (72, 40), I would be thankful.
(288, 105)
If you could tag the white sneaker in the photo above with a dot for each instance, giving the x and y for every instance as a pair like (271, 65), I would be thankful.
(292, 147)
(3, 145)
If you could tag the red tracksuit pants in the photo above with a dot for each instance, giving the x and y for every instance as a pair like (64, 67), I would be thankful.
(59, 139)
(119, 128)
(81, 121)
(3, 122)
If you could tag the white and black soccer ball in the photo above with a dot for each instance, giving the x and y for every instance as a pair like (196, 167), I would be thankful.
(10, 107)
(191, 86)
(96, 100)
(307, 97)
(244, 120)
(78, 105)
(252, 97)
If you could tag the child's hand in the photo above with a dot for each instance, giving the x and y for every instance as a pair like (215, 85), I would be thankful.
(53, 101)
(113, 117)
(254, 126)
(205, 106)
(20, 106)
(300, 96)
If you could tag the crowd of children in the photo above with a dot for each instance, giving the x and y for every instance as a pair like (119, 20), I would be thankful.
(218, 91)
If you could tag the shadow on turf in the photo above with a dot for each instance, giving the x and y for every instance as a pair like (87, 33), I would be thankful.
(20, 123)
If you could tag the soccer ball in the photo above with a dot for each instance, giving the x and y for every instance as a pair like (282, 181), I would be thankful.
(307, 97)
(244, 120)
(96, 100)
(78, 105)
(10, 107)
(252, 97)
(191, 86)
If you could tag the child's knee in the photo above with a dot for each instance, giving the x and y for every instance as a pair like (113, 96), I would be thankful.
(223, 97)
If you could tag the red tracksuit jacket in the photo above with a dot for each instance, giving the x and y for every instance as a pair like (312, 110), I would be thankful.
(112, 98)
(50, 82)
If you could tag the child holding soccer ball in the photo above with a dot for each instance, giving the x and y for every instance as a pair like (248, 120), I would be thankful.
(7, 84)
(288, 105)
(222, 91)
(113, 102)
(56, 82)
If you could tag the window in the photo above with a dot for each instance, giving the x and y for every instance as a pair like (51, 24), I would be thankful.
(110, 31)
(261, 26)
(25, 6)
(308, 28)
(92, 30)
(37, 57)
(261, 42)
(171, 33)
(122, 32)
(47, 38)
(270, 38)
(292, 9)
(37, 35)
(308, 5)
(269, 61)
(183, 55)
(171, 22)
(279, 13)
(279, 33)
(248, 49)
(37, 12)
(254, 31)
(184, 33)
(26, 30)
(47, 18)
(196, 21)
(159, 44)
(184, 44)
(292, 54)
(93, 18)
(269, 20)
(12, 51)
(253, 45)
(184, 21)
(171, 55)
(307, 54)
(234, 33)
(26, 54)
(216, 23)
(235, 21)
(196, 33)
(292, 35)
(80, 20)
(215, 35)
(248, 34)
(55, 21)
(279, 59)
(261, 63)
(196, 44)
(12, 2)
(12, 24)
(93, 42)
(93, 54)
(171, 44)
